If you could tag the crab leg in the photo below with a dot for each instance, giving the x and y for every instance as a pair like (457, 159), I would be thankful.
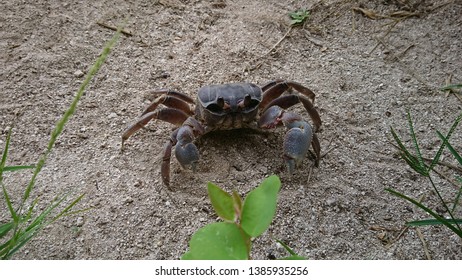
(273, 90)
(270, 84)
(166, 155)
(170, 115)
(171, 99)
(186, 152)
(298, 136)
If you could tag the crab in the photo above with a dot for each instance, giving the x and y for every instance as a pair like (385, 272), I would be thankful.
(233, 106)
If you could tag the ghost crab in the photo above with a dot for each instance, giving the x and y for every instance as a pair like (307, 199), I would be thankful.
(231, 106)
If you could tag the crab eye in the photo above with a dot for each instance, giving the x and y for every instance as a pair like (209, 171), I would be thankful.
(218, 106)
(214, 108)
(247, 100)
(248, 103)
(220, 102)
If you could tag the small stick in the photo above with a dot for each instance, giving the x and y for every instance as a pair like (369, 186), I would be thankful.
(385, 35)
(427, 253)
(448, 82)
(446, 178)
(126, 33)
(401, 233)
(278, 42)
(328, 145)
(270, 50)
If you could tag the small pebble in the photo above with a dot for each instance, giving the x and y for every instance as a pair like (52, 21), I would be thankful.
(79, 222)
(112, 115)
(79, 73)
(331, 201)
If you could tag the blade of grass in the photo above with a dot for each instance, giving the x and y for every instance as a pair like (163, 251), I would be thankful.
(432, 222)
(21, 237)
(40, 222)
(66, 210)
(420, 160)
(428, 210)
(288, 249)
(13, 213)
(4, 155)
(406, 155)
(18, 167)
(5, 228)
(446, 143)
(25, 237)
(457, 199)
(70, 111)
(450, 148)
(452, 86)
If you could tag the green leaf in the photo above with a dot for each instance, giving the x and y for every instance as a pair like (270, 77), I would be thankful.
(218, 241)
(237, 202)
(260, 206)
(433, 222)
(222, 202)
(299, 16)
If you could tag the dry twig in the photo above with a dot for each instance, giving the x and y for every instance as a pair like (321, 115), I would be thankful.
(102, 24)
(269, 51)
(424, 244)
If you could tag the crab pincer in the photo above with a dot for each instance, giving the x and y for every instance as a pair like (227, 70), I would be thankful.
(186, 152)
(298, 137)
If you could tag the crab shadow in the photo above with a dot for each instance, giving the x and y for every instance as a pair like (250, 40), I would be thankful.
(239, 157)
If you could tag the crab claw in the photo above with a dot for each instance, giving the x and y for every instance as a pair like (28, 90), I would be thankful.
(298, 138)
(271, 118)
(186, 152)
(296, 143)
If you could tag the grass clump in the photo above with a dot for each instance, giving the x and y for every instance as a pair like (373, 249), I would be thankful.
(418, 163)
(25, 222)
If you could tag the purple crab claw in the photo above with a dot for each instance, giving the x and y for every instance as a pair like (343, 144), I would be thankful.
(299, 136)
(296, 144)
(186, 152)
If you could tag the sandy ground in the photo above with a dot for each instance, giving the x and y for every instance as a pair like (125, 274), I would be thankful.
(366, 72)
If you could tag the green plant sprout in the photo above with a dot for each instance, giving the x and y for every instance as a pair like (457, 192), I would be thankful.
(242, 221)
(417, 163)
(299, 17)
(26, 223)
